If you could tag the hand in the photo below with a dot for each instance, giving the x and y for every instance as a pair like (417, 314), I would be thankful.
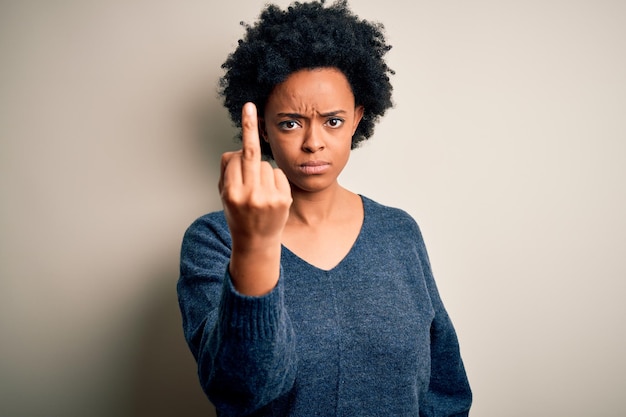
(256, 199)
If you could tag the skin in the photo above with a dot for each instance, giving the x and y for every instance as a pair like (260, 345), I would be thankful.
(309, 121)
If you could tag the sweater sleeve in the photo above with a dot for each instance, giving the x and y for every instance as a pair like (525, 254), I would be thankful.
(244, 346)
(449, 393)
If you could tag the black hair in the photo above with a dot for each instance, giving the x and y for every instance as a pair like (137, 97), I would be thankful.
(307, 36)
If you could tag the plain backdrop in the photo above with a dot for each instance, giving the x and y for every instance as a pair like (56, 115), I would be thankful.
(507, 143)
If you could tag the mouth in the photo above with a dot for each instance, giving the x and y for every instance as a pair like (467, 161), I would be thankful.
(314, 167)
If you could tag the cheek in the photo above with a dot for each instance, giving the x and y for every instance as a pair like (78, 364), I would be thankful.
(343, 149)
(282, 149)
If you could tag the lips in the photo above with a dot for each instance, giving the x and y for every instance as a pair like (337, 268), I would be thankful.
(314, 167)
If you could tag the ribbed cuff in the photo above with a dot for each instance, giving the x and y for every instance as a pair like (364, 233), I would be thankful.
(248, 318)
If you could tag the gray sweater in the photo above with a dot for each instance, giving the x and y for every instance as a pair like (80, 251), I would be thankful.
(369, 337)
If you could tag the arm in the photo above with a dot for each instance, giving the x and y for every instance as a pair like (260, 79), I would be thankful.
(230, 290)
(244, 346)
(449, 393)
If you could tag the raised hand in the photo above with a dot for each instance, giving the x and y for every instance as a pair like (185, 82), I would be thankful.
(256, 199)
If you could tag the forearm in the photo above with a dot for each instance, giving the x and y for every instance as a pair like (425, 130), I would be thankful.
(248, 357)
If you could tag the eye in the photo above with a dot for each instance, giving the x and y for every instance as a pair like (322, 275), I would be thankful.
(334, 122)
(288, 125)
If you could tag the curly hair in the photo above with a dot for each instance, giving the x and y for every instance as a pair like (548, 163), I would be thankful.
(307, 36)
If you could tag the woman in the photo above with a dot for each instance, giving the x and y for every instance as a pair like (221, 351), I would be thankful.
(302, 298)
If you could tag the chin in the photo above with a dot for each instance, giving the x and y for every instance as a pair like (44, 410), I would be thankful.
(312, 185)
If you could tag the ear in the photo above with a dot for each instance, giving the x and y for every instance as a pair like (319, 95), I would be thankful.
(358, 115)
(262, 129)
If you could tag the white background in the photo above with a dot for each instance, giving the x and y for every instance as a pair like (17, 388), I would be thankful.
(507, 143)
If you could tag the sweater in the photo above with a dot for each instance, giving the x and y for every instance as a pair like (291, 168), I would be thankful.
(369, 337)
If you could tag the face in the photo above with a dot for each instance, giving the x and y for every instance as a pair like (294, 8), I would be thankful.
(309, 121)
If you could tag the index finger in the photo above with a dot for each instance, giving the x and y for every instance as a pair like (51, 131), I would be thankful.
(251, 147)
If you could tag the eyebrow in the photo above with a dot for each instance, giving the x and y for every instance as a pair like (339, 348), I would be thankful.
(300, 116)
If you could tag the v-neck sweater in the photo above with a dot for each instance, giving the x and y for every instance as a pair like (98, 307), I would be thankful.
(369, 337)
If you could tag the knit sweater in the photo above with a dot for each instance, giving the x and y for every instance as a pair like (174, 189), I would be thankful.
(369, 337)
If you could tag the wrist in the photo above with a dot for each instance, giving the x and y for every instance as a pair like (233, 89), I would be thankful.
(255, 268)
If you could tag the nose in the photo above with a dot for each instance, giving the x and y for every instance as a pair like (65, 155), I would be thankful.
(313, 140)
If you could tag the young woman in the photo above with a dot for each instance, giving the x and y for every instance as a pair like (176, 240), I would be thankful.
(302, 298)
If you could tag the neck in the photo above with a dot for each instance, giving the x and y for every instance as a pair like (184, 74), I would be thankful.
(315, 208)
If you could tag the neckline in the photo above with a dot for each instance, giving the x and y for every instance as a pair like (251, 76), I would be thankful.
(348, 254)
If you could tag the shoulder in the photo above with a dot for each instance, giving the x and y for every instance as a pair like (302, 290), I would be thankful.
(394, 228)
(208, 233)
(388, 218)
(209, 225)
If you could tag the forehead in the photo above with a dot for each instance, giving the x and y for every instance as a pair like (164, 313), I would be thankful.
(320, 88)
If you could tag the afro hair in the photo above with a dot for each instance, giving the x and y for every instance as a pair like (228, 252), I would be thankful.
(307, 36)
